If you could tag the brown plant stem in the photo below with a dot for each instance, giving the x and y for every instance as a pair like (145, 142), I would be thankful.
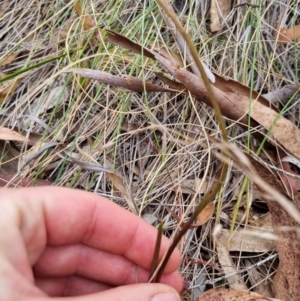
(207, 198)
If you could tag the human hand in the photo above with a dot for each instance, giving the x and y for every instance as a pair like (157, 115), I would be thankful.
(63, 242)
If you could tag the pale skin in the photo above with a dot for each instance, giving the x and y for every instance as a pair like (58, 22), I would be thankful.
(58, 242)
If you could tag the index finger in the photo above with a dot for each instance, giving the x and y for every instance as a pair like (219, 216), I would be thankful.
(72, 216)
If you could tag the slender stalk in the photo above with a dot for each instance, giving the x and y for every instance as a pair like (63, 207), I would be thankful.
(156, 250)
(208, 197)
(15, 74)
(171, 14)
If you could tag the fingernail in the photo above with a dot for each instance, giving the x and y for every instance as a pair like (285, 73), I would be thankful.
(166, 297)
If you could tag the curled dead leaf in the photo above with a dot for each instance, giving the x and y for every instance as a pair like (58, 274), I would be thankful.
(202, 218)
(87, 21)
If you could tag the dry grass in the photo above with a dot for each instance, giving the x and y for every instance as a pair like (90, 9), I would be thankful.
(135, 135)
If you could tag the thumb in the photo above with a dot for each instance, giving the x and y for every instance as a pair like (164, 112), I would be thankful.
(139, 292)
(132, 292)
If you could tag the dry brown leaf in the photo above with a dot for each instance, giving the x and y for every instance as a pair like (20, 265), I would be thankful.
(231, 108)
(205, 215)
(202, 218)
(127, 82)
(10, 135)
(87, 22)
(285, 36)
(233, 86)
(122, 41)
(249, 241)
(218, 8)
(283, 131)
(223, 294)
(7, 88)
